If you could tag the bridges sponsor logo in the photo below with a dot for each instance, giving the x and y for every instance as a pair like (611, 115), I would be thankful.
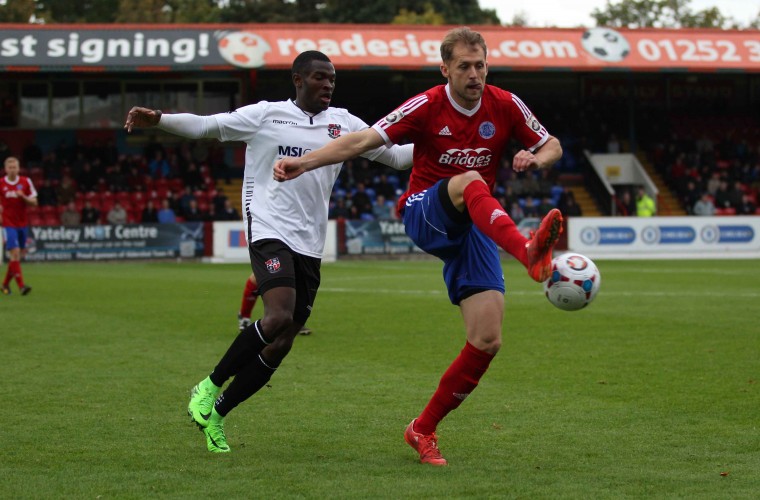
(470, 158)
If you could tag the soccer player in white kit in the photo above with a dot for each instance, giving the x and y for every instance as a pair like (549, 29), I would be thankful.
(285, 224)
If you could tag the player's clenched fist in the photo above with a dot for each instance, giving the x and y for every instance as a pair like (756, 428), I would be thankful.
(142, 117)
(287, 168)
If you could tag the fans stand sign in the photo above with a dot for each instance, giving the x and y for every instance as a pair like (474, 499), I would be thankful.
(207, 46)
(119, 242)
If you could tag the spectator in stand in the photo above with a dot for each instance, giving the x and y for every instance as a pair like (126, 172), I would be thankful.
(115, 179)
(90, 214)
(71, 216)
(516, 212)
(193, 213)
(747, 206)
(530, 184)
(545, 206)
(339, 209)
(87, 180)
(117, 214)
(192, 177)
(627, 205)
(361, 200)
(690, 195)
(736, 195)
(229, 212)
(384, 187)
(135, 179)
(66, 190)
(46, 194)
(158, 167)
(210, 215)
(381, 209)
(645, 206)
(185, 200)
(704, 206)
(51, 166)
(530, 207)
(149, 213)
(166, 215)
(571, 207)
(613, 145)
(714, 183)
(219, 200)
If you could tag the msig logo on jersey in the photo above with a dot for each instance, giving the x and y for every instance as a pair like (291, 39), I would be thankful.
(295, 151)
(470, 158)
(245, 49)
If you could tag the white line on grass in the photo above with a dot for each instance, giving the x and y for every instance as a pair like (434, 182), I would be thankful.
(706, 293)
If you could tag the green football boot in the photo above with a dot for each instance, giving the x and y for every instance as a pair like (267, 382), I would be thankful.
(202, 398)
(216, 441)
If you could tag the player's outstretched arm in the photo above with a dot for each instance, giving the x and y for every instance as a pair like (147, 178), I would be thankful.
(546, 156)
(337, 151)
(141, 118)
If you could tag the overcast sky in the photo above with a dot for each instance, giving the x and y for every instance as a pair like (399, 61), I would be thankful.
(570, 14)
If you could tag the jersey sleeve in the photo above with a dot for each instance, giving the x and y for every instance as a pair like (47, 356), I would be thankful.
(527, 129)
(241, 124)
(403, 122)
(32, 192)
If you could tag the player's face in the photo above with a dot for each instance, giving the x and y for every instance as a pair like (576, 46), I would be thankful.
(11, 169)
(314, 89)
(466, 73)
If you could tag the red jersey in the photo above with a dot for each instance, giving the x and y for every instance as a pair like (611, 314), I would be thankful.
(450, 140)
(14, 207)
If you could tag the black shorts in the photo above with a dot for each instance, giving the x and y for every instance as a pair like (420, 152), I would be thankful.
(274, 264)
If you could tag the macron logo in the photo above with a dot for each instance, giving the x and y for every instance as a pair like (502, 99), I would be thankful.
(496, 214)
(460, 396)
(445, 131)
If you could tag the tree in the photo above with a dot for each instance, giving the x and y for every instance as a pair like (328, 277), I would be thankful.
(143, 11)
(17, 11)
(659, 14)
(79, 11)
(430, 17)
(194, 11)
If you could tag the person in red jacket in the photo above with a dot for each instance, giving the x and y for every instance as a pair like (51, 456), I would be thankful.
(16, 193)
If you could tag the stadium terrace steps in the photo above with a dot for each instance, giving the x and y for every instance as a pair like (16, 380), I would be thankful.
(667, 202)
(583, 198)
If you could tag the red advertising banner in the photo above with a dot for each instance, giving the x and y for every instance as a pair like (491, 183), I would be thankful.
(183, 47)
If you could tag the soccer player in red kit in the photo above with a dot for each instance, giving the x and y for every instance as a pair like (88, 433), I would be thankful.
(16, 192)
(250, 296)
(459, 131)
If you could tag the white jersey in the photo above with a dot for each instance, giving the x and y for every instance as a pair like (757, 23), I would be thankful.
(294, 212)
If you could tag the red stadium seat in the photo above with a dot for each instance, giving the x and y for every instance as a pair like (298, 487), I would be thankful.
(725, 211)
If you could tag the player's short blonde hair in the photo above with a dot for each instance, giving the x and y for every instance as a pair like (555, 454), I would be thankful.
(9, 160)
(464, 35)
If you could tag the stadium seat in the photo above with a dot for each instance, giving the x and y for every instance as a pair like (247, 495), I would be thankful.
(725, 211)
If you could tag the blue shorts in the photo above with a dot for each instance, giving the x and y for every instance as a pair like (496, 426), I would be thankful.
(15, 237)
(471, 261)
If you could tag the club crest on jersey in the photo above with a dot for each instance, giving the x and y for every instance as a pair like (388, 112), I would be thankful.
(273, 265)
(394, 116)
(333, 130)
(487, 130)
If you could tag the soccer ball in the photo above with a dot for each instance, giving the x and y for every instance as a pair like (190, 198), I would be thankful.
(244, 49)
(605, 44)
(574, 282)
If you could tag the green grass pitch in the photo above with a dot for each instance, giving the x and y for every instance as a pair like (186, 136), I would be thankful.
(651, 392)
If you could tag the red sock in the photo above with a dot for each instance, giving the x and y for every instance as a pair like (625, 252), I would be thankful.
(457, 383)
(8, 273)
(249, 298)
(491, 218)
(16, 265)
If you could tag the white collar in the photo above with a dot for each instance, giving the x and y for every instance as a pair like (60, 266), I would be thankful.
(464, 111)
